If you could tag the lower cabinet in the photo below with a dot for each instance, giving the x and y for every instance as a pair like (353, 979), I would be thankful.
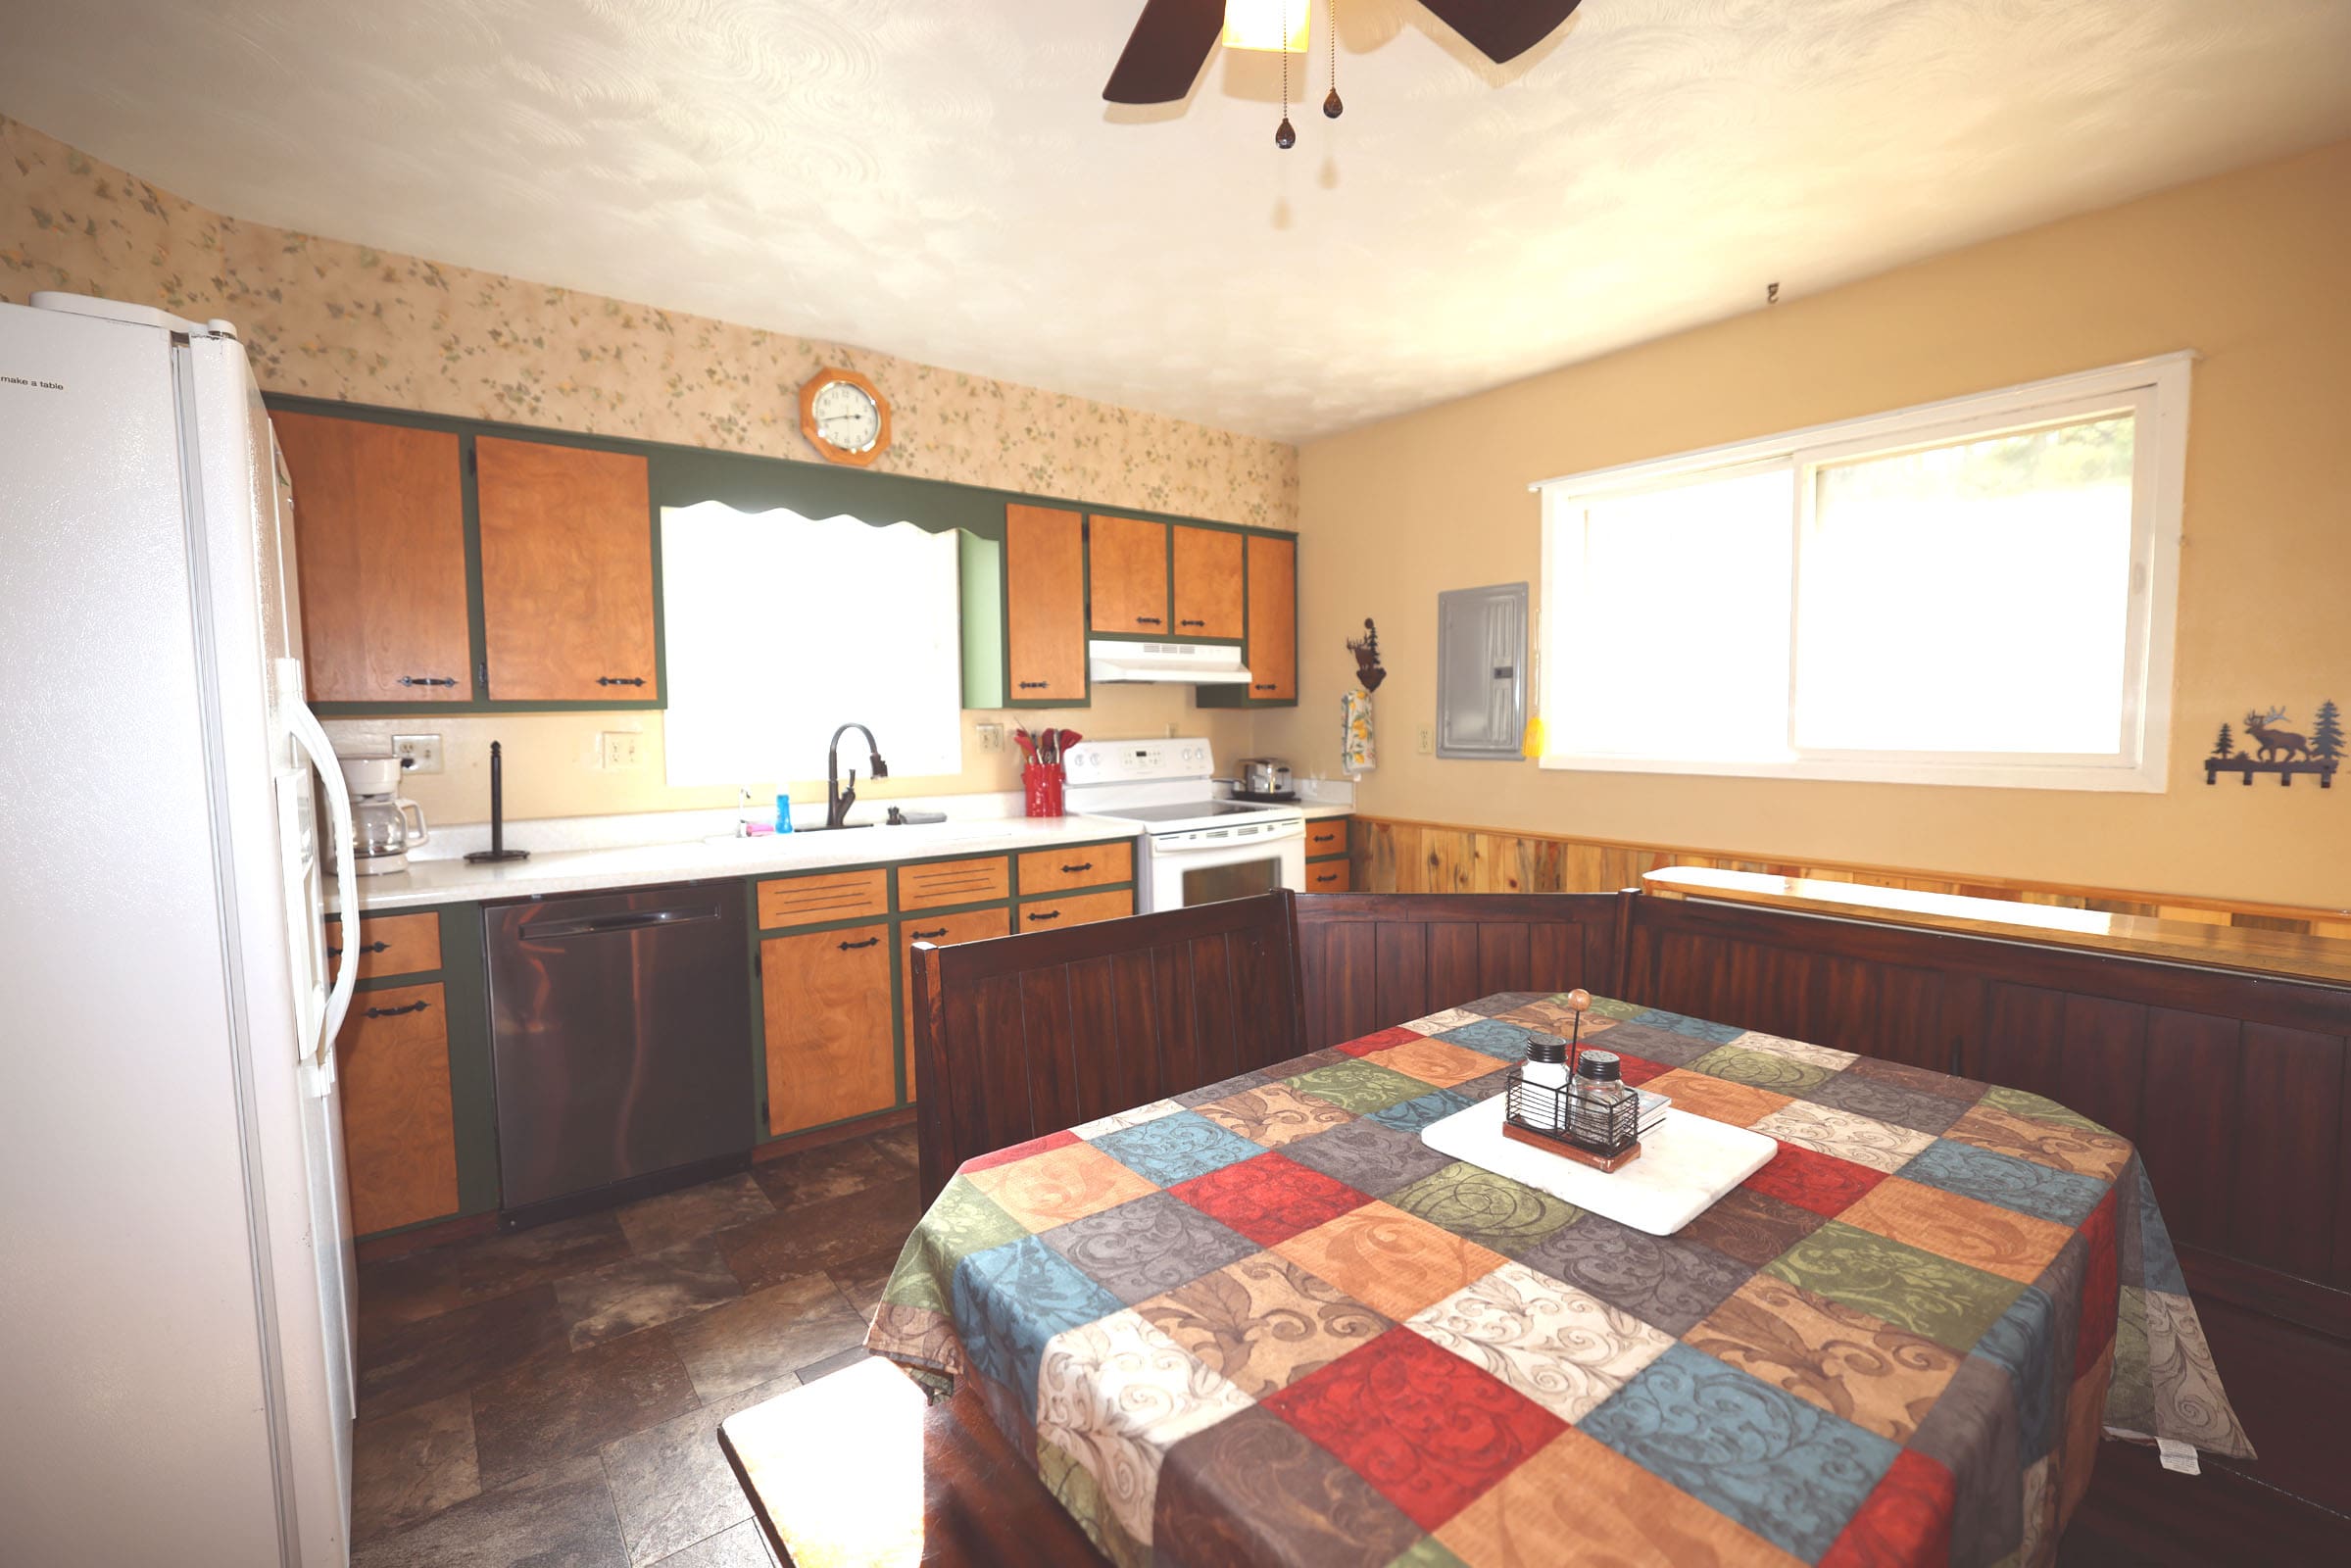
(942, 931)
(1075, 909)
(831, 1041)
(399, 1133)
(1326, 876)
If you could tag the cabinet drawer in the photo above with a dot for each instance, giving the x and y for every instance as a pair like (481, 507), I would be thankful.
(831, 1050)
(1078, 908)
(399, 1126)
(1328, 876)
(1092, 865)
(391, 943)
(812, 899)
(1326, 838)
(977, 880)
(942, 931)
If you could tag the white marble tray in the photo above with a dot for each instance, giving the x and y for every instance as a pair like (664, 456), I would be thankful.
(1686, 1165)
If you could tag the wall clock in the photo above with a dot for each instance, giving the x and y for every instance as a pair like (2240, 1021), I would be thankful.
(845, 416)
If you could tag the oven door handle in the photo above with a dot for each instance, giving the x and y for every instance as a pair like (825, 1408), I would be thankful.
(1177, 843)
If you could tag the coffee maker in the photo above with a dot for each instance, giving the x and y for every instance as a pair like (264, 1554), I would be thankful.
(383, 826)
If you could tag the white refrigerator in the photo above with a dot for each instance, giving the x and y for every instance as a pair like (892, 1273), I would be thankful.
(175, 1279)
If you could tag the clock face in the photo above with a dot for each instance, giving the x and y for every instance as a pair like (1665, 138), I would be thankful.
(847, 417)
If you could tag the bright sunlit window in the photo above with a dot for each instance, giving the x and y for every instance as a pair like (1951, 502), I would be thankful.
(1975, 592)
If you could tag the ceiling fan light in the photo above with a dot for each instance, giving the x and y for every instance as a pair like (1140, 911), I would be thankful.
(1267, 25)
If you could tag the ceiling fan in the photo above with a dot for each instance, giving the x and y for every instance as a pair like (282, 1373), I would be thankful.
(1173, 39)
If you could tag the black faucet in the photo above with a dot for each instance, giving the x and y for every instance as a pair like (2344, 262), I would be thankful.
(838, 800)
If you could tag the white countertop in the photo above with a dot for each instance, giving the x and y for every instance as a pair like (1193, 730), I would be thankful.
(454, 880)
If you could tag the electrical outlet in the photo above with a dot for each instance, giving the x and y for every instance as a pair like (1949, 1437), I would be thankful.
(422, 752)
(991, 737)
(623, 748)
(1426, 738)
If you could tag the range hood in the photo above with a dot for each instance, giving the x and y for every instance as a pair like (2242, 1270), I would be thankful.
(1186, 663)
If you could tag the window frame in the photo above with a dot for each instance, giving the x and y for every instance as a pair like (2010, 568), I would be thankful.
(2154, 391)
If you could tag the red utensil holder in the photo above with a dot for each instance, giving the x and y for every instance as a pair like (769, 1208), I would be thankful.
(1042, 783)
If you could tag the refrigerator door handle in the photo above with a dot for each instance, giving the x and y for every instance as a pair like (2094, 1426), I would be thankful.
(303, 726)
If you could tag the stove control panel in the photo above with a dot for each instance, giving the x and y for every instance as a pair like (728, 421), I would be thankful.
(1139, 761)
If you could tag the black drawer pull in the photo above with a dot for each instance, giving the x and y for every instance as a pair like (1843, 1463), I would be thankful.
(427, 680)
(1082, 865)
(852, 947)
(1263, 686)
(925, 936)
(372, 947)
(394, 1012)
(1188, 622)
(1032, 685)
(1147, 621)
(617, 680)
(1050, 915)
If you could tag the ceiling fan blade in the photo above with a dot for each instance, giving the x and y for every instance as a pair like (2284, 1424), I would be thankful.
(1503, 29)
(1166, 51)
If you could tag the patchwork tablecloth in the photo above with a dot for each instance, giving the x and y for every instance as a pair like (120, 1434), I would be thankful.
(1263, 1322)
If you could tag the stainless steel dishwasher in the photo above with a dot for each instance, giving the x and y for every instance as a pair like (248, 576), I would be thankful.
(620, 1037)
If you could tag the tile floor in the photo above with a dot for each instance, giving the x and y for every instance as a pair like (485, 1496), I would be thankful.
(554, 1396)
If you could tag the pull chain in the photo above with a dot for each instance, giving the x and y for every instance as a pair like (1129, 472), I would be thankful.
(1331, 106)
(1284, 136)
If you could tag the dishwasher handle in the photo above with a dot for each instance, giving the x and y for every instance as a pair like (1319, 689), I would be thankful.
(604, 925)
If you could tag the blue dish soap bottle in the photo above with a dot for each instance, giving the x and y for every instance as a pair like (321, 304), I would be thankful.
(783, 814)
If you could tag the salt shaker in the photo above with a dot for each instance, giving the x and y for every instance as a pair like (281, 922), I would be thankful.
(1544, 1074)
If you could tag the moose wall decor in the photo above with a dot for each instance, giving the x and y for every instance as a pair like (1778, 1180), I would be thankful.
(2269, 747)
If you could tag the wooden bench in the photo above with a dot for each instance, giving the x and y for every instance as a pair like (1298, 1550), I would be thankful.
(859, 1470)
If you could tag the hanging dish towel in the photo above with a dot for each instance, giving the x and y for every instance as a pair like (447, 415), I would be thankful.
(1357, 754)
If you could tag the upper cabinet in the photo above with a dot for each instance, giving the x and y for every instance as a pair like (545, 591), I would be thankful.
(1024, 612)
(1270, 647)
(1208, 583)
(444, 568)
(380, 531)
(1127, 576)
(567, 573)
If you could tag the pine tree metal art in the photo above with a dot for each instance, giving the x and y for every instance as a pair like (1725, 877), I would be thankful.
(2269, 747)
(1366, 650)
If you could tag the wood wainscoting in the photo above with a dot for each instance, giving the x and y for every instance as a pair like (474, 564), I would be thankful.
(1394, 856)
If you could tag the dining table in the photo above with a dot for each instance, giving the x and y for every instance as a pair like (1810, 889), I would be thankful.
(1265, 1322)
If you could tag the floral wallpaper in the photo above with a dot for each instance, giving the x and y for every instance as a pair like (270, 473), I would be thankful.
(326, 318)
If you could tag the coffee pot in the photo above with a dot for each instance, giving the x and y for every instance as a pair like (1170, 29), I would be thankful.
(384, 828)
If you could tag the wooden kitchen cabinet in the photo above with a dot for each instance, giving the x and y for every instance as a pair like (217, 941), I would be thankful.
(832, 1049)
(940, 883)
(1270, 643)
(1045, 605)
(1126, 567)
(1087, 866)
(1076, 909)
(1208, 567)
(399, 1126)
(566, 573)
(1328, 876)
(379, 541)
(390, 944)
(942, 931)
(1326, 837)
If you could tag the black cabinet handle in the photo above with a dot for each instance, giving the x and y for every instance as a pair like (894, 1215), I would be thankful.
(428, 680)
(1032, 685)
(372, 947)
(1263, 686)
(925, 936)
(394, 1012)
(1082, 865)
(614, 680)
(852, 947)
(1147, 621)
(1050, 915)
(1188, 622)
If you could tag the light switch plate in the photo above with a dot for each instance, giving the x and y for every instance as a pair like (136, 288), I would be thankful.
(623, 748)
(423, 752)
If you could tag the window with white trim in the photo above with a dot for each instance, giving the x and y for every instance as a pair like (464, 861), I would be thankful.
(1973, 591)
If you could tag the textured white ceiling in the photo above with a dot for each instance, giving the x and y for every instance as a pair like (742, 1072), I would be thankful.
(941, 180)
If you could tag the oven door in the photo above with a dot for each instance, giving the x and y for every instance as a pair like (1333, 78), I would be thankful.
(1208, 865)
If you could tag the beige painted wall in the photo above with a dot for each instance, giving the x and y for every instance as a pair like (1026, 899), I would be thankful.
(326, 318)
(2252, 270)
(554, 761)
